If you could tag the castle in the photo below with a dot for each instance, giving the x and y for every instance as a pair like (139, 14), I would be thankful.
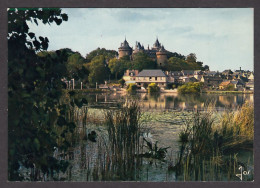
(157, 52)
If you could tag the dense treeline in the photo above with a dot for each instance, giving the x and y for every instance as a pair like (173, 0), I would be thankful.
(101, 64)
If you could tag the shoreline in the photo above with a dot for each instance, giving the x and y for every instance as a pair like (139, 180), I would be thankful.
(163, 91)
(229, 92)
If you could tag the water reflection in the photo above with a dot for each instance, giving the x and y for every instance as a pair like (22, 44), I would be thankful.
(171, 101)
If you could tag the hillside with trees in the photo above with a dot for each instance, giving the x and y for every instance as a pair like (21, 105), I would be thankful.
(102, 64)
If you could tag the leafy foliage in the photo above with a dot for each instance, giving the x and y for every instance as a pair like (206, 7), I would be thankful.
(37, 122)
(190, 87)
(74, 64)
(107, 54)
(118, 67)
(142, 61)
(154, 151)
(131, 87)
(177, 63)
(152, 88)
(230, 87)
(121, 82)
(98, 69)
(174, 54)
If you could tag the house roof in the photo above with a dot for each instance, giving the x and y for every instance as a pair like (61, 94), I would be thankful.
(237, 82)
(175, 73)
(190, 72)
(151, 73)
(225, 83)
(212, 78)
(211, 73)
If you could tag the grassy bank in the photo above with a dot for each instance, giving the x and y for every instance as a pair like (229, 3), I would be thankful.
(227, 92)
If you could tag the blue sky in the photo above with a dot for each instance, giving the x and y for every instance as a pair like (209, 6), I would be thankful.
(220, 37)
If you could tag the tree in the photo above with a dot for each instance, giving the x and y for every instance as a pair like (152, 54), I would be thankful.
(74, 63)
(118, 67)
(36, 115)
(121, 82)
(174, 54)
(131, 88)
(98, 69)
(230, 87)
(191, 58)
(206, 68)
(190, 87)
(153, 88)
(108, 54)
(176, 64)
(142, 61)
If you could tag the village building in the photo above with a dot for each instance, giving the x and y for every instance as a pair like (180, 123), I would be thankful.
(238, 85)
(146, 77)
(129, 76)
(188, 73)
(251, 77)
(225, 84)
(211, 81)
(173, 76)
(227, 72)
(250, 83)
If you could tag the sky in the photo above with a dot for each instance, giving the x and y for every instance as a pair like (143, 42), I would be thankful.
(220, 37)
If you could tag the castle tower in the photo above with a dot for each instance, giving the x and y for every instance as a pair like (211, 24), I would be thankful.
(124, 49)
(161, 57)
(138, 48)
(156, 45)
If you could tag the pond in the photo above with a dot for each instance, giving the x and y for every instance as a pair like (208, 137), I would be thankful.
(163, 117)
(171, 101)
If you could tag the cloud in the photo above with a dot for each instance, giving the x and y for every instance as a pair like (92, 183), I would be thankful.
(221, 37)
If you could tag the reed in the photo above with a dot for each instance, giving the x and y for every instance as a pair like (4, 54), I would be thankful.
(118, 157)
(208, 150)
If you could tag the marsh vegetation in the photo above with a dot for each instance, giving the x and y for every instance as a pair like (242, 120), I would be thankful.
(136, 145)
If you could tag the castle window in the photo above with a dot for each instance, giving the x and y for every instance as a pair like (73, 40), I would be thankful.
(150, 78)
(155, 78)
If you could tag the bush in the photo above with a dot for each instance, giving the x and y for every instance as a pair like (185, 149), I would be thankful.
(131, 87)
(153, 88)
(121, 82)
(230, 87)
(145, 85)
(171, 86)
(190, 87)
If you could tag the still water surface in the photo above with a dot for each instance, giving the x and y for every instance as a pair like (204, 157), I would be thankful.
(163, 116)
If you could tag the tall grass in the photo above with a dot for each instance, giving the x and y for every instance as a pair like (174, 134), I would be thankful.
(119, 157)
(208, 150)
(237, 128)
